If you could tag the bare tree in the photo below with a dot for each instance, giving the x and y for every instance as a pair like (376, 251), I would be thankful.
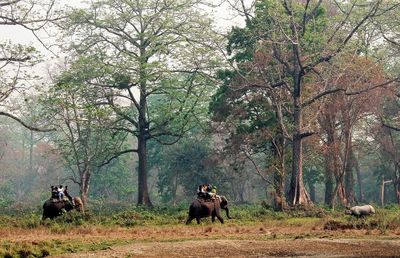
(16, 59)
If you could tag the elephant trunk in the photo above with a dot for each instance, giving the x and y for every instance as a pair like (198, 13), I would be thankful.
(227, 212)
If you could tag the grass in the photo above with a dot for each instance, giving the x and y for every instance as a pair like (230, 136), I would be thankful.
(53, 247)
(102, 229)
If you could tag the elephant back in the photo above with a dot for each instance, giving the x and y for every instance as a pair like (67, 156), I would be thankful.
(52, 208)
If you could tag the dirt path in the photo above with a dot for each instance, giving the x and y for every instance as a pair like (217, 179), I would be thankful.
(254, 248)
(264, 239)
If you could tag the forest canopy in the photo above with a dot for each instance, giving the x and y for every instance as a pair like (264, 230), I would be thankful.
(139, 102)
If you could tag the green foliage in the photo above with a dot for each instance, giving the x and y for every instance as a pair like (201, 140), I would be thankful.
(6, 193)
(114, 182)
(183, 167)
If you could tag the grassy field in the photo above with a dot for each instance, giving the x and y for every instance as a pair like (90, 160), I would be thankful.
(112, 232)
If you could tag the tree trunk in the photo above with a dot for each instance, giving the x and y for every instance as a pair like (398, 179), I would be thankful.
(312, 192)
(280, 203)
(329, 187)
(84, 186)
(174, 188)
(31, 146)
(279, 197)
(297, 192)
(361, 196)
(396, 182)
(143, 191)
(328, 123)
(329, 169)
(397, 190)
(341, 167)
(339, 191)
(349, 178)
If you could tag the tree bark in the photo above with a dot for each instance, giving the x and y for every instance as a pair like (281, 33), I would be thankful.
(327, 122)
(297, 193)
(397, 190)
(349, 178)
(84, 185)
(328, 186)
(396, 183)
(143, 191)
(312, 192)
(279, 198)
(361, 196)
(279, 143)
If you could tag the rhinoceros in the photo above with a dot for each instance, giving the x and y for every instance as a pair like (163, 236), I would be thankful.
(360, 211)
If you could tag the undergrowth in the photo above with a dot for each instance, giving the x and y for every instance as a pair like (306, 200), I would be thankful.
(131, 216)
(52, 247)
(98, 218)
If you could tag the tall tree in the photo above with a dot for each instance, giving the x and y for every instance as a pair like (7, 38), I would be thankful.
(83, 137)
(143, 46)
(301, 38)
(339, 116)
(251, 121)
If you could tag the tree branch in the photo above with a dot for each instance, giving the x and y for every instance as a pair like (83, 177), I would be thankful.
(24, 124)
(116, 155)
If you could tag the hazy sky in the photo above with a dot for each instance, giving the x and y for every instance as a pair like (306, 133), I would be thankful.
(224, 16)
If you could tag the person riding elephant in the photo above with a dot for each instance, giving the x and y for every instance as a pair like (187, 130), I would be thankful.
(54, 207)
(206, 191)
(208, 203)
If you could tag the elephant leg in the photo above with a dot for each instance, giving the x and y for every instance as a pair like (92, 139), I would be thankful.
(213, 218)
(198, 220)
(220, 218)
(189, 220)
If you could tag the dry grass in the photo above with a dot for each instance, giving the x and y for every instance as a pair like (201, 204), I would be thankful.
(92, 234)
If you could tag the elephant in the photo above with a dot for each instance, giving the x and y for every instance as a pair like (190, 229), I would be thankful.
(201, 208)
(53, 208)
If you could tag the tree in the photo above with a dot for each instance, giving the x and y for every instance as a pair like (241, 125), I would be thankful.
(301, 38)
(83, 137)
(183, 166)
(26, 168)
(340, 115)
(149, 48)
(15, 59)
(251, 120)
(387, 138)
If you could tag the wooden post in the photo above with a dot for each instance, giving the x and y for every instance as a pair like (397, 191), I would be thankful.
(383, 190)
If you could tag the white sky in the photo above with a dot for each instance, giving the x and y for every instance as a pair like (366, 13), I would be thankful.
(224, 16)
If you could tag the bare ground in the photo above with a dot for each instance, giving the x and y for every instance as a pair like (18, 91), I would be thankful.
(254, 248)
(261, 239)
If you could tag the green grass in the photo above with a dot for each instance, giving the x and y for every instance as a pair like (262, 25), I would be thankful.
(139, 216)
(130, 217)
(53, 247)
